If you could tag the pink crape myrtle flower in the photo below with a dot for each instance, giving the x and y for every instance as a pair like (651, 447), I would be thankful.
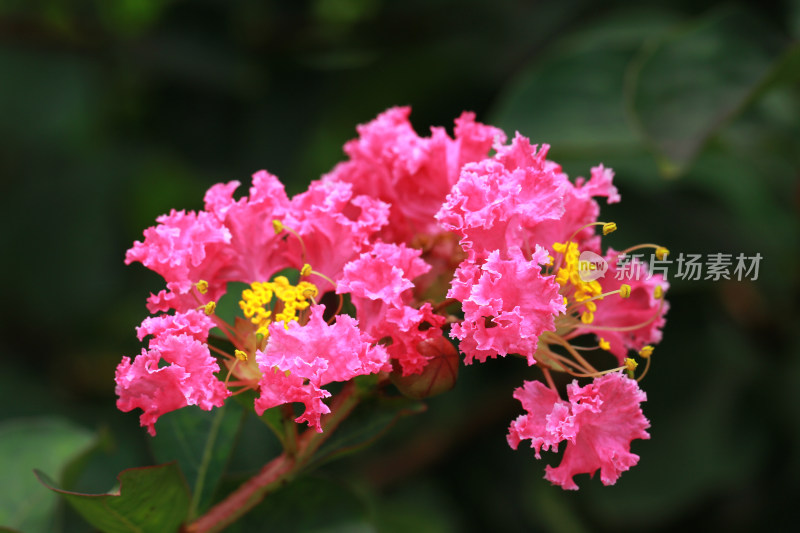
(598, 422)
(188, 378)
(507, 304)
(299, 360)
(617, 324)
(519, 198)
(381, 288)
(413, 174)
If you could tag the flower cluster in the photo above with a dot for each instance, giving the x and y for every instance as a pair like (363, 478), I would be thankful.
(426, 237)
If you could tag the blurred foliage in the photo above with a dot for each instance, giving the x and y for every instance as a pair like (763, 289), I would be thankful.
(116, 112)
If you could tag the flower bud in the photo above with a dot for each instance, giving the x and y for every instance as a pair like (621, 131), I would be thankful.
(438, 376)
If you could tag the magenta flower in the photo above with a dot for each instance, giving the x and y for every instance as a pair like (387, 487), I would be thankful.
(507, 304)
(299, 360)
(380, 286)
(413, 174)
(598, 422)
(187, 379)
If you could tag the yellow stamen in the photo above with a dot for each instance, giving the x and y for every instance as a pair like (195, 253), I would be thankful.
(661, 253)
(202, 286)
(630, 364)
(604, 344)
(646, 351)
(209, 308)
(277, 225)
(625, 290)
(240, 355)
(658, 292)
(306, 270)
(610, 227)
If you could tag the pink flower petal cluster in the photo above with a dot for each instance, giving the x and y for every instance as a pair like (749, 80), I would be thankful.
(382, 228)
(234, 240)
(186, 377)
(641, 309)
(520, 198)
(598, 421)
(507, 304)
(413, 174)
(299, 360)
(380, 286)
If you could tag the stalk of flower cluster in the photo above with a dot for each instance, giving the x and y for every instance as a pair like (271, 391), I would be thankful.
(278, 471)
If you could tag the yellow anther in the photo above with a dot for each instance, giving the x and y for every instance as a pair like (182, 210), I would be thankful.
(240, 355)
(287, 373)
(210, 307)
(202, 286)
(566, 302)
(630, 364)
(549, 260)
(658, 292)
(609, 228)
(604, 344)
(646, 351)
(661, 253)
(277, 225)
(559, 247)
(587, 317)
(306, 270)
(625, 290)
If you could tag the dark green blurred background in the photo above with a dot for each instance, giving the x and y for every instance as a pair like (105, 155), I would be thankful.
(113, 112)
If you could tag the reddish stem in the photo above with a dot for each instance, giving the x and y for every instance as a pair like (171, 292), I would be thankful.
(276, 471)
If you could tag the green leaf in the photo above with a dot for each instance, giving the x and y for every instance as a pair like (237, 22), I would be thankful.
(368, 421)
(49, 443)
(201, 442)
(308, 504)
(572, 95)
(271, 417)
(152, 498)
(686, 86)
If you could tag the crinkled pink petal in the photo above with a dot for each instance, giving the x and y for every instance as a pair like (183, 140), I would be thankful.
(257, 252)
(408, 327)
(642, 307)
(382, 274)
(580, 209)
(187, 379)
(183, 248)
(539, 403)
(334, 224)
(277, 389)
(495, 201)
(194, 323)
(607, 417)
(509, 305)
(317, 352)
(389, 161)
